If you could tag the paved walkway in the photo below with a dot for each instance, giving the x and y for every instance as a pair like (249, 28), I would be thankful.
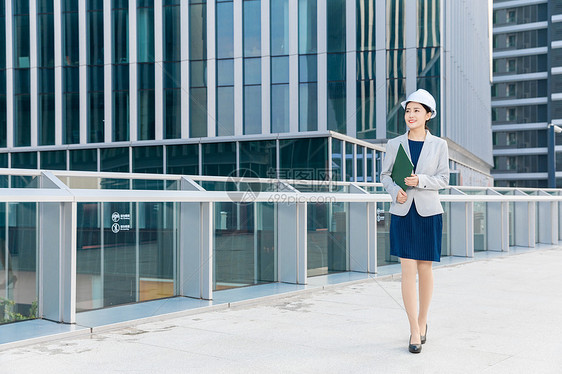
(500, 315)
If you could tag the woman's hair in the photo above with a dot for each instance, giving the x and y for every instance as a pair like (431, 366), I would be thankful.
(427, 109)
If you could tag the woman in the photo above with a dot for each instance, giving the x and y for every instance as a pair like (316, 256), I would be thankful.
(416, 214)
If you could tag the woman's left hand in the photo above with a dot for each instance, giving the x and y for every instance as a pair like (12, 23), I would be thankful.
(412, 180)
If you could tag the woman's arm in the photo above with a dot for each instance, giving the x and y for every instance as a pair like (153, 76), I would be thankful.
(441, 178)
(386, 172)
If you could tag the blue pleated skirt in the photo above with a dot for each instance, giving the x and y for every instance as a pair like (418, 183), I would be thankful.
(416, 237)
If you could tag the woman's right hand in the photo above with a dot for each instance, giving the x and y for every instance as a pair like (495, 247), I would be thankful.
(401, 197)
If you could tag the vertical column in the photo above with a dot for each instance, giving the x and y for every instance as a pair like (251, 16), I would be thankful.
(380, 68)
(184, 40)
(322, 66)
(238, 68)
(107, 57)
(351, 69)
(360, 235)
(58, 71)
(158, 71)
(462, 227)
(548, 220)
(265, 69)
(524, 222)
(497, 224)
(133, 91)
(411, 44)
(211, 70)
(83, 73)
(292, 246)
(196, 246)
(293, 66)
(34, 89)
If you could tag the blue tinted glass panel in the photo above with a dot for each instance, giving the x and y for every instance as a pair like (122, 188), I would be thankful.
(46, 119)
(225, 33)
(146, 115)
(71, 118)
(428, 23)
(69, 5)
(259, 158)
(197, 73)
(336, 106)
(396, 93)
(252, 28)
(365, 18)
(182, 159)
(225, 111)
(145, 34)
(280, 69)
(172, 33)
(3, 161)
(114, 159)
(46, 40)
(309, 155)
(53, 160)
(336, 67)
(219, 158)
(94, 4)
(429, 62)
(83, 159)
(120, 116)
(197, 32)
(96, 117)
(197, 112)
(46, 80)
(95, 78)
(280, 108)
(172, 114)
(365, 65)
(308, 38)
(43, 6)
(71, 79)
(148, 159)
(94, 24)
(21, 81)
(120, 35)
(70, 40)
(335, 18)
(22, 121)
(21, 40)
(395, 64)
(308, 71)
(308, 107)
(252, 70)
(120, 76)
(252, 110)
(366, 109)
(145, 75)
(172, 74)
(24, 160)
(395, 24)
(225, 72)
(279, 27)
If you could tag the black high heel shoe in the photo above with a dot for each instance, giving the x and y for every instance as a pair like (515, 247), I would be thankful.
(414, 348)
(424, 335)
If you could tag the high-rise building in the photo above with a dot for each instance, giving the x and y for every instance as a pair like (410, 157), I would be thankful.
(206, 87)
(527, 93)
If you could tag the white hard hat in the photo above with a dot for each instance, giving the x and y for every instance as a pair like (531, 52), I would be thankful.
(423, 97)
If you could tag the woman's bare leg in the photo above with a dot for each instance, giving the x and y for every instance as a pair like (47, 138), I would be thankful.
(410, 296)
(425, 272)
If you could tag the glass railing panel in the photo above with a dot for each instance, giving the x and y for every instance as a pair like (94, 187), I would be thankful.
(383, 235)
(241, 186)
(327, 238)
(322, 187)
(126, 252)
(511, 208)
(24, 181)
(19, 229)
(245, 252)
(446, 238)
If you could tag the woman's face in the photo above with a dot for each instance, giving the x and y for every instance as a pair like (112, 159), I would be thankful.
(416, 116)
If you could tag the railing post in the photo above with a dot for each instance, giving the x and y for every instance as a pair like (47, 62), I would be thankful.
(57, 256)
(497, 223)
(548, 220)
(462, 227)
(362, 234)
(292, 242)
(524, 221)
(195, 252)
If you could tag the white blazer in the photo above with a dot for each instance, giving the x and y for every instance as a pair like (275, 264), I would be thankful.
(432, 170)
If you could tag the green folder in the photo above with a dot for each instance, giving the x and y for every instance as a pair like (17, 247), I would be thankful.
(402, 168)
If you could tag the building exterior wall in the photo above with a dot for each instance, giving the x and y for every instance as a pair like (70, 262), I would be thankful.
(89, 75)
(525, 94)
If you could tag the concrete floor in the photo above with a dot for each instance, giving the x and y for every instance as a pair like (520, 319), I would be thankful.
(496, 315)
